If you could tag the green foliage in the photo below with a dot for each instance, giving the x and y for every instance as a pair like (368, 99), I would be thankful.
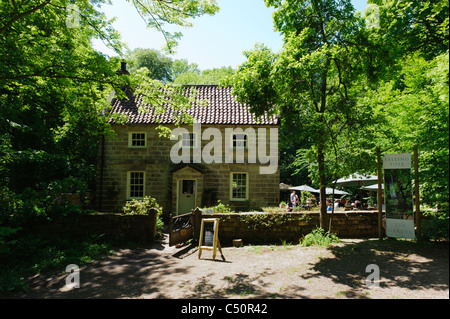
(54, 88)
(319, 237)
(158, 65)
(48, 202)
(264, 221)
(343, 88)
(5, 243)
(210, 76)
(159, 13)
(436, 226)
(317, 79)
(141, 206)
(412, 26)
(413, 108)
(221, 208)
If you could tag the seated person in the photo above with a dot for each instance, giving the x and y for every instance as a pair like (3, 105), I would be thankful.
(290, 207)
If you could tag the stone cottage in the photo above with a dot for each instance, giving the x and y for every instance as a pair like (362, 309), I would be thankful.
(227, 155)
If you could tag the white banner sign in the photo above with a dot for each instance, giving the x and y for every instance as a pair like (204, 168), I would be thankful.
(398, 195)
(397, 161)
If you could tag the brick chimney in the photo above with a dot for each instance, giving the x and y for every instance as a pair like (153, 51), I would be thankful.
(123, 69)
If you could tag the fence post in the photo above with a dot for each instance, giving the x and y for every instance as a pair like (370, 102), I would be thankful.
(379, 196)
(196, 222)
(417, 196)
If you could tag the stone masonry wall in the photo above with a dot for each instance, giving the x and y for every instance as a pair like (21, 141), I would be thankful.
(290, 227)
(130, 227)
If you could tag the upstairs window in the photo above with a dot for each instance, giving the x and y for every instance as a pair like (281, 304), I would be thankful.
(240, 141)
(137, 140)
(189, 140)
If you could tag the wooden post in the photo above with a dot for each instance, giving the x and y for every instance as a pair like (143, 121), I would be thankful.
(379, 196)
(416, 195)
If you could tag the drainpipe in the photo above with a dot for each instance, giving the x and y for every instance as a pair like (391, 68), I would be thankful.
(102, 167)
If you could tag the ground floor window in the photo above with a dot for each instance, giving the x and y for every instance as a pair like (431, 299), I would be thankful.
(136, 185)
(239, 186)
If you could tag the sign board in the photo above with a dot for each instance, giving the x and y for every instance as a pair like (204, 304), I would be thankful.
(209, 237)
(208, 234)
(398, 195)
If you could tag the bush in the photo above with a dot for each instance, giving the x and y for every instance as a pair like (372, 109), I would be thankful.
(45, 203)
(319, 237)
(436, 227)
(221, 208)
(141, 207)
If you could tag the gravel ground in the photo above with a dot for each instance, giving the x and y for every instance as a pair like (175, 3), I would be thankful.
(407, 270)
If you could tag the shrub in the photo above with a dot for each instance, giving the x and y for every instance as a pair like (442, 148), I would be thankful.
(141, 207)
(436, 227)
(221, 208)
(319, 237)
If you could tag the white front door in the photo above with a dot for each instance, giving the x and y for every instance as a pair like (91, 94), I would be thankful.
(186, 196)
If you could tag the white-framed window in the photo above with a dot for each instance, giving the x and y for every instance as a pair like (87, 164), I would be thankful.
(135, 185)
(189, 140)
(239, 186)
(137, 140)
(240, 141)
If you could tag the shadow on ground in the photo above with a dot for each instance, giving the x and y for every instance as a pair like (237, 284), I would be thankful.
(151, 272)
(129, 274)
(402, 264)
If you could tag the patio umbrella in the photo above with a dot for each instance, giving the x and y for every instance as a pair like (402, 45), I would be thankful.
(373, 187)
(305, 188)
(284, 186)
(329, 191)
(357, 180)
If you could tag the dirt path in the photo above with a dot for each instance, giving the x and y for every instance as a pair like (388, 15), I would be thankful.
(407, 270)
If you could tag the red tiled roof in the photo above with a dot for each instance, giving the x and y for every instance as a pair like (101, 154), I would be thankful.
(221, 108)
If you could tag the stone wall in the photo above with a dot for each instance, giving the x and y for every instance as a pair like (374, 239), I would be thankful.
(130, 227)
(290, 227)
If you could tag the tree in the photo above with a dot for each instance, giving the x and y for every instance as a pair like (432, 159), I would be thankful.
(210, 76)
(158, 65)
(54, 87)
(181, 66)
(414, 106)
(158, 13)
(411, 97)
(319, 73)
(410, 26)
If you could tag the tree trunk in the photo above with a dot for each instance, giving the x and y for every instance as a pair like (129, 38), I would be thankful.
(323, 195)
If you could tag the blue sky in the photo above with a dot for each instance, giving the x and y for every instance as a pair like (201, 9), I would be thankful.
(213, 41)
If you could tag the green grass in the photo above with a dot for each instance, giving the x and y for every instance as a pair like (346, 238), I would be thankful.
(319, 237)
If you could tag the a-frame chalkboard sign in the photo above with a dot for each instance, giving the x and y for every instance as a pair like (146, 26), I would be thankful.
(209, 237)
